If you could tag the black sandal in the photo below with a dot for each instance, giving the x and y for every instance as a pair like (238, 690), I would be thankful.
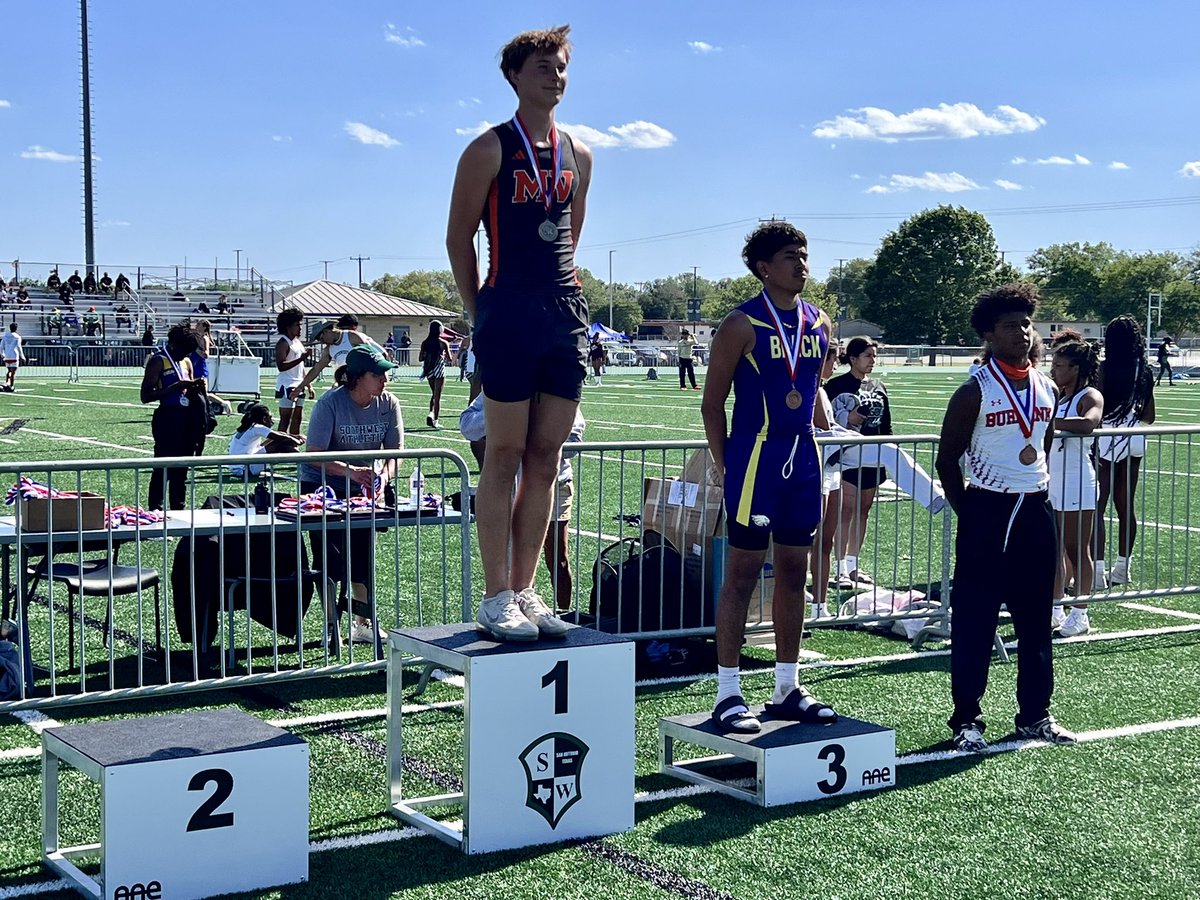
(791, 710)
(733, 716)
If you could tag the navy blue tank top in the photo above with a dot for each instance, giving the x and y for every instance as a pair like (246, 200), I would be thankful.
(761, 381)
(517, 257)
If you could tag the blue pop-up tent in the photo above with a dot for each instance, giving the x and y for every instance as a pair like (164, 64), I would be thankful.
(606, 333)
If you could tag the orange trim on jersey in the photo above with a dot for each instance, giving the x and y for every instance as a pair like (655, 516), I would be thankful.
(493, 211)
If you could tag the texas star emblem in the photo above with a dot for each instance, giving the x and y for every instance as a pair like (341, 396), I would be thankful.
(553, 764)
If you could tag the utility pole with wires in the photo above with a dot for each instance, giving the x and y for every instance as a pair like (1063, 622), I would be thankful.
(360, 262)
(840, 296)
(89, 229)
(326, 262)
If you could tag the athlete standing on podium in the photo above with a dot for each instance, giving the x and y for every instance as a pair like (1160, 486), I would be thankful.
(527, 182)
(1006, 550)
(769, 350)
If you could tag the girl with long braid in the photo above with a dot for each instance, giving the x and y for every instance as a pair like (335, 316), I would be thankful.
(1076, 373)
(1128, 389)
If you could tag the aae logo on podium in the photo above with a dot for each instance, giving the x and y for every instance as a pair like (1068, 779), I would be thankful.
(553, 765)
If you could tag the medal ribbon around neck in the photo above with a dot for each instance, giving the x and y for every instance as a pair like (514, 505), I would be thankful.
(791, 353)
(555, 152)
(1023, 408)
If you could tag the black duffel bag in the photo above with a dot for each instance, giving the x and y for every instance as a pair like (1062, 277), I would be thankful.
(638, 585)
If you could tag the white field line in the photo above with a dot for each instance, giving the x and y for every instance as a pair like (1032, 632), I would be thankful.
(89, 402)
(20, 752)
(84, 440)
(374, 838)
(1176, 613)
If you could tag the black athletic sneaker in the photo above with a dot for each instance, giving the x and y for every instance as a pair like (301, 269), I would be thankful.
(1046, 730)
(968, 738)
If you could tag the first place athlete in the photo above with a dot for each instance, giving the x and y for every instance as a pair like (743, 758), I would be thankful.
(1006, 549)
(770, 351)
(527, 181)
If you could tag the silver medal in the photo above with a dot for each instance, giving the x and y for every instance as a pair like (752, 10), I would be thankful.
(548, 231)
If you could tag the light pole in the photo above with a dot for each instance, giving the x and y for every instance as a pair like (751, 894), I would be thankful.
(326, 263)
(610, 289)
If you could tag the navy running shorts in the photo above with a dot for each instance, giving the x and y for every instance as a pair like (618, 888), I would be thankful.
(772, 489)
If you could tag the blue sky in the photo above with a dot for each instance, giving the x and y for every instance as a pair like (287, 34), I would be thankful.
(300, 131)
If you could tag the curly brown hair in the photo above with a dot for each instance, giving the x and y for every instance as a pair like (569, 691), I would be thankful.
(526, 44)
(768, 239)
(1016, 296)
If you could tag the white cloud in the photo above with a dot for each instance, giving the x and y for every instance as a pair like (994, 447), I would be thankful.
(1019, 160)
(4, 104)
(114, 223)
(639, 135)
(470, 101)
(703, 47)
(281, 138)
(45, 153)
(406, 38)
(855, 177)
(948, 182)
(1076, 160)
(1118, 166)
(1007, 185)
(365, 134)
(946, 120)
(1191, 169)
(475, 130)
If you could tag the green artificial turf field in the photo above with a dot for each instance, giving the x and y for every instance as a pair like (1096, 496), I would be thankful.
(1112, 817)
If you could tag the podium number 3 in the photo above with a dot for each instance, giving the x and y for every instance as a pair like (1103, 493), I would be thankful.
(836, 755)
(558, 677)
(207, 817)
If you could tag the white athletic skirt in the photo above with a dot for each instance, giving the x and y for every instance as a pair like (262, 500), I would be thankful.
(1115, 448)
(1072, 484)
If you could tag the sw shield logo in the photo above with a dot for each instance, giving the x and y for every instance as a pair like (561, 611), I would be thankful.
(552, 767)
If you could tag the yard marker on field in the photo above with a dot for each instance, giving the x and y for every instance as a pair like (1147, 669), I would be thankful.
(39, 722)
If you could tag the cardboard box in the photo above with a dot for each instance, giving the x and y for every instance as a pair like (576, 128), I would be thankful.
(82, 513)
(764, 589)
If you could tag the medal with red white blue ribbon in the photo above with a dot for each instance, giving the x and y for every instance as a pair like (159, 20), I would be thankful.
(547, 231)
(1022, 409)
(791, 352)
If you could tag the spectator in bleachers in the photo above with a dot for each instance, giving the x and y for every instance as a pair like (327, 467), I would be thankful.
(255, 436)
(54, 322)
(52, 281)
(70, 320)
(91, 322)
(65, 294)
(148, 336)
(121, 312)
(1128, 388)
(89, 283)
(122, 284)
(179, 296)
(22, 295)
(75, 282)
(170, 380)
(106, 284)
(223, 307)
(202, 307)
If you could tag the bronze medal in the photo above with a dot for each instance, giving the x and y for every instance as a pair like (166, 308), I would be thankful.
(793, 399)
(548, 231)
(1028, 455)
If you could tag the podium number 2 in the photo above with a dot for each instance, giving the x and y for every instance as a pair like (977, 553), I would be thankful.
(558, 677)
(206, 816)
(836, 755)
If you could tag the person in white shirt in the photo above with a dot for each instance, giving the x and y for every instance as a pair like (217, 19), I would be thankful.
(12, 346)
(1001, 421)
(289, 360)
(336, 344)
(255, 436)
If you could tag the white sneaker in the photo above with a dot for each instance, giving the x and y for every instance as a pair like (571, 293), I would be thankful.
(1076, 623)
(817, 611)
(501, 617)
(366, 632)
(542, 617)
(1120, 572)
(1100, 578)
(1058, 616)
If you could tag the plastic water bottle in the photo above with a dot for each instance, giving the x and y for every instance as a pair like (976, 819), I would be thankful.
(416, 487)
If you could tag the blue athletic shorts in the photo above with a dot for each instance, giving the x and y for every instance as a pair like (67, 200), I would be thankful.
(772, 488)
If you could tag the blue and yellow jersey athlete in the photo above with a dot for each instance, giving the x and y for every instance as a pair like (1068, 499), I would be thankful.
(769, 351)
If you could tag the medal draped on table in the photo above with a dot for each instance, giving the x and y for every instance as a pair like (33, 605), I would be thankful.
(548, 230)
(791, 352)
(1022, 408)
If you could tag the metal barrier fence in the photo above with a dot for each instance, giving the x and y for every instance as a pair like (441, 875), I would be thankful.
(110, 604)
(605, 565)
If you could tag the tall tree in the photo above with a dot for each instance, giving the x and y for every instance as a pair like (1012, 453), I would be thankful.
(1126, 282)
(1180, 308)
(727, 293)
(928, 272)
(847, 281)
(1068, 277)
(664, 298)
(433, 287)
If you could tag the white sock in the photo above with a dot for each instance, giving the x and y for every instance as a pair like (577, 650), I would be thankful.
(785, 680)
(1122, 563)
(729, 682)
(851, 564)
(1100, 567)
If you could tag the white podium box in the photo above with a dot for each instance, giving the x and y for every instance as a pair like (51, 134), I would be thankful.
(792, 762)
(191, 805)
(548, 746)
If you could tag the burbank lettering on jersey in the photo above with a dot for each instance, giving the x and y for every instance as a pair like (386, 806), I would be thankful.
(1009, 417)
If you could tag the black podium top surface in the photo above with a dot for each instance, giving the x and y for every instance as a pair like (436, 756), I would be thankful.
(464, 639)
(152, 738)
(780, 732)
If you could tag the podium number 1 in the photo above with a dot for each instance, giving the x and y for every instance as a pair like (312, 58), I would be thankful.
(558, 677)
(206, 816)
